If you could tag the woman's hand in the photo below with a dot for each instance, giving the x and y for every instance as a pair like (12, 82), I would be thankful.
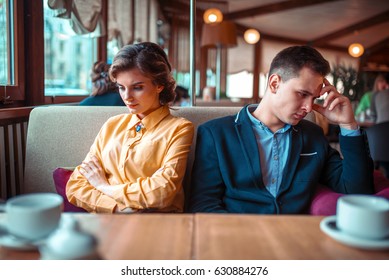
(124, 211)
(336, 107)
(94, 173)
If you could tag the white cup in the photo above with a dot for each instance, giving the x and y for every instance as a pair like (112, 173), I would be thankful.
(363, 216)
(33, 216)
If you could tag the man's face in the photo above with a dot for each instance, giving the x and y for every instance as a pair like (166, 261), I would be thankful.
(294, 98)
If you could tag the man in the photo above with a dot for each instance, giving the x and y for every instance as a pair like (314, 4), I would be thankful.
(267, 159)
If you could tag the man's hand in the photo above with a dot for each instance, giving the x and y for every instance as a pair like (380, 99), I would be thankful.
(336, 107)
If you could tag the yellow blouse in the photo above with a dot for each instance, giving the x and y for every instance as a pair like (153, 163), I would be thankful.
(148, 164)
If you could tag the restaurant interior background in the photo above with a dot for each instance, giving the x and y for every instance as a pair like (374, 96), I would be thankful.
(47, 47)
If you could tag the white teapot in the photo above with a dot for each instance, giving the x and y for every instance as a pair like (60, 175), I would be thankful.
(69, 242)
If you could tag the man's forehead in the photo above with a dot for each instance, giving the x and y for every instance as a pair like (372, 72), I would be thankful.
(318, 90)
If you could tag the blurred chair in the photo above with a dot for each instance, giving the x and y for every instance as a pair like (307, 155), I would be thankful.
(378, 136)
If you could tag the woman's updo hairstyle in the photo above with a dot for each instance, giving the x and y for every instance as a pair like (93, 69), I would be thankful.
(151, 60)
(101, 83)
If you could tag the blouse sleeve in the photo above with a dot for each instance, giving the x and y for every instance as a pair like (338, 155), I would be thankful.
(81, 193)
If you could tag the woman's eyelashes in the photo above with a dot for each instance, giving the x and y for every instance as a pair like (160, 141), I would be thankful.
(120, 87)
(134, 88)
(138, 88)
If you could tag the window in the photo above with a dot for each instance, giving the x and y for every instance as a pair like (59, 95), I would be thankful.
(68, 56)
(11, 78)
(5, 51)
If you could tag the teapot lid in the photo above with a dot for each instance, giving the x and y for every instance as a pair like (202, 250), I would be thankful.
(69, 242)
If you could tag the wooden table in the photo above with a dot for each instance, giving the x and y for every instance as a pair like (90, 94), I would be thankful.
(134, 236)
(270, 237)
(210, 237)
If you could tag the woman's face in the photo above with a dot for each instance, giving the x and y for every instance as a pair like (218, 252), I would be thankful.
(138, 92)
(382, 85)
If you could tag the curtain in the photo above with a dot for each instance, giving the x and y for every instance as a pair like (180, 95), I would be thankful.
(133, 20)
(120, 21)
(241, 57)
(84, 15)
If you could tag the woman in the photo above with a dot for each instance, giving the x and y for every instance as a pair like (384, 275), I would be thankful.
(365, 104)
(138, 160)
(104, 91)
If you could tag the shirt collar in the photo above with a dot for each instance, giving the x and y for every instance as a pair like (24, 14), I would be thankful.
(261, 125)
(151, 119)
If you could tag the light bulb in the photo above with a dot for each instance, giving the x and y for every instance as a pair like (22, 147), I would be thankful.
(251, 36)
(356, 50)
(213, 16)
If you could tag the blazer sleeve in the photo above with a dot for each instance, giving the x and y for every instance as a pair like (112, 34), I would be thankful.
(354, 173)
(207, 186)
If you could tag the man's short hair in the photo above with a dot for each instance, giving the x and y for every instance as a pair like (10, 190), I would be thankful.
(288, 62)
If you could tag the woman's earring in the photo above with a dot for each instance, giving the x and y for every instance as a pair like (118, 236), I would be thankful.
(159, 97)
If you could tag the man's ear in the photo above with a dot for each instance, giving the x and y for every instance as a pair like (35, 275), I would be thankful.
(274, 82)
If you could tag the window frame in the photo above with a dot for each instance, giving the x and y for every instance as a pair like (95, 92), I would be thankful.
(17, 91)
(29, 57)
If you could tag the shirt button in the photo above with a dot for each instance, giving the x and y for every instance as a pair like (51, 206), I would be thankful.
(275, 158)
(273, 181)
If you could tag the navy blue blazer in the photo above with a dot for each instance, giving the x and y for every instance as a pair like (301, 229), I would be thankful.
(226, 175)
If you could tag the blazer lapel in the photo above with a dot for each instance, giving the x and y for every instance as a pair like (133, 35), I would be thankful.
(249, 147)
(296, 145)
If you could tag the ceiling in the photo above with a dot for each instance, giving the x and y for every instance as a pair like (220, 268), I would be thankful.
(332, 24)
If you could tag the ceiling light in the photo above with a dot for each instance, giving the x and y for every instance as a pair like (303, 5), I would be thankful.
(213, 15)
(251, 36)
(219, 35)
(356, 50)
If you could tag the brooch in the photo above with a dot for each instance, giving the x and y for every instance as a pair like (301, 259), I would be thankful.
(138, 127)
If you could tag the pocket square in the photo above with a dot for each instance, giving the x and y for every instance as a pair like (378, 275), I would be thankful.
(308, 154)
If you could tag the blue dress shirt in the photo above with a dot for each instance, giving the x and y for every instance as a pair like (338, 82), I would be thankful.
(273, 150)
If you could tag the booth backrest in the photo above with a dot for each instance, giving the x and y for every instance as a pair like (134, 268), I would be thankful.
(60, 136)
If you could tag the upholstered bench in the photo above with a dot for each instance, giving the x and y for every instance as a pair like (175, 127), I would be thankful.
(60, 136)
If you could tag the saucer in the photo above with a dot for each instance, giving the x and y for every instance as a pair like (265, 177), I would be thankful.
(12, 242)
(328, 226)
